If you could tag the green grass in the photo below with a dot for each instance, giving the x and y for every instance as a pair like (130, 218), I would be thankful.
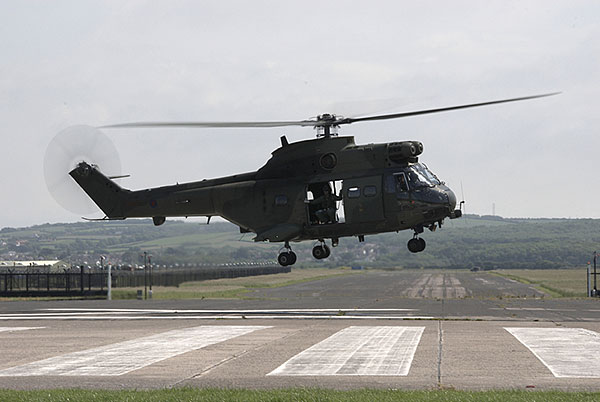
(295, 394)
(234, 288)
(555, 282)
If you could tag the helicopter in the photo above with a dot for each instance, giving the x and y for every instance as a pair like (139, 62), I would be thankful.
(319, 189)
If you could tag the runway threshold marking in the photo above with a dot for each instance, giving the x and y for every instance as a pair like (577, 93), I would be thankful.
(10, 329)
(374, 351)
(121, 358)
(567, 352)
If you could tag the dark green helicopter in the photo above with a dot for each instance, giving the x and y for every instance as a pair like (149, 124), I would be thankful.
(318, 189)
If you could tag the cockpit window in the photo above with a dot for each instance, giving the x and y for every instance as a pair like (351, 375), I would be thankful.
(420, 176)
(401, 184)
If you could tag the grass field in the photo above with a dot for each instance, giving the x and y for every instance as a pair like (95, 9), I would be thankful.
(556, 282)
(233, 288)
(299, 394)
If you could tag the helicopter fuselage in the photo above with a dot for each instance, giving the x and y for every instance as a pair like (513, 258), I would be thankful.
(377, 188)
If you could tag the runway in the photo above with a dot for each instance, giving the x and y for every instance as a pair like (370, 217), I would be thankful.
(377, 330)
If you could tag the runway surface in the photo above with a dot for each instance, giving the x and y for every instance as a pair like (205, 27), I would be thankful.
(411, 330)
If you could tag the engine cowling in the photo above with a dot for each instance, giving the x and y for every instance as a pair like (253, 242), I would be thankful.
(403, 151)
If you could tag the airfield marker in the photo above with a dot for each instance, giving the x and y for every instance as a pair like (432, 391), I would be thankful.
(375, 351)
(567, 352)
(123, 357)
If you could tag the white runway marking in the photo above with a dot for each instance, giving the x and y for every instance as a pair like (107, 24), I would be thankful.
(172, 314)
(121, 358)
(567, 352)
(292, 310)
(20, 317)
(384, 351)
(10, 329)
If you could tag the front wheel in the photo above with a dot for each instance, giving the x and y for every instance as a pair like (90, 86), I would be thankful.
(414, 245)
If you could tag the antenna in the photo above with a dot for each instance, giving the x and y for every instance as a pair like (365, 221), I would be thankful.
(462, 203)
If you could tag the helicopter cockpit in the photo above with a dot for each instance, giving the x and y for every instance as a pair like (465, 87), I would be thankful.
(413, 177)
(420, 176)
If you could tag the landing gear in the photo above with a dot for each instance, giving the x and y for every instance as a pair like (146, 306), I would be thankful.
(416, 244)
(287, 257)
(321, 251)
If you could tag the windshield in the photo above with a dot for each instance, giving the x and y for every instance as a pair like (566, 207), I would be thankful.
(420, 176)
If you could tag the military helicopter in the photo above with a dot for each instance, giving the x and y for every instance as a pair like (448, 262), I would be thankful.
(323, 188)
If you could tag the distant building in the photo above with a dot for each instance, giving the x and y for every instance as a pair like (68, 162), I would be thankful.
(49, 264)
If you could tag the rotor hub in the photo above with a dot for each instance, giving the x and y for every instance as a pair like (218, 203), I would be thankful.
(327, 125)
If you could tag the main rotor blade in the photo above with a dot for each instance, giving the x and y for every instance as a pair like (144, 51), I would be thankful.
(217, 124)
(350, 120)
(325, 120)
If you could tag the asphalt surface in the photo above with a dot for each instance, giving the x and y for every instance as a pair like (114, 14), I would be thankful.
(410, 330)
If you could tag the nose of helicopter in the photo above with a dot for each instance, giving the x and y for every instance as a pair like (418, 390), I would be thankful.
(451, 199)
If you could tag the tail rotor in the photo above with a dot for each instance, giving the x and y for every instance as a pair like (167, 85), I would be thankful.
(69, 147)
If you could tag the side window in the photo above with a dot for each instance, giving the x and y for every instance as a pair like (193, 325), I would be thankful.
(353, 192)
(370, 191)
(281, 200)
(401, 183)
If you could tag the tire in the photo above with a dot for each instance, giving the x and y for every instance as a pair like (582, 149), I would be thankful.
(293, 258)
(327, 251)
(284, 259)
(413, 245)
(318, 252)
(422, 244)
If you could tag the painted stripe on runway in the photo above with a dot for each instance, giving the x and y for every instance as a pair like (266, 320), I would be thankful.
(10, 329)
(376, 351)
(121, 358)
(289, 310)
(567, 352)
(21, 317)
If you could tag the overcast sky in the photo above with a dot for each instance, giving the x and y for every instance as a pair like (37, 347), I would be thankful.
(64, 63)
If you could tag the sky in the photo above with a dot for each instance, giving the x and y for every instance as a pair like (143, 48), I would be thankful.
(65, 63)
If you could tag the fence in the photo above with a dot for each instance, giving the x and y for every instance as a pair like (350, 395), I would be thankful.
(94, 283)
(174, 277)
(31, 284)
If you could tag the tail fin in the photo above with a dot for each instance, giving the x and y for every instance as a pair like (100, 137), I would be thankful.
(107, 194)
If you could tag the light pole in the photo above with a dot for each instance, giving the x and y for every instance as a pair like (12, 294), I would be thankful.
(150, 265)
(109, 278)
(589, 272)
(595, 291)
(145, 275)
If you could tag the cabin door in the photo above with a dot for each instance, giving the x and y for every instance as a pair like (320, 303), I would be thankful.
(363, 199)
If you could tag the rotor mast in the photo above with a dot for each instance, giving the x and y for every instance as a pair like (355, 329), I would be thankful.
(327, 126)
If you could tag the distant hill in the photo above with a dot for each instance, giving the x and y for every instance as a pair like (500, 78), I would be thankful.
(482, 241)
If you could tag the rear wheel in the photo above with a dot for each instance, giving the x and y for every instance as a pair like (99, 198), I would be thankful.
(292, 258)
(319, 252)
(286, 258)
